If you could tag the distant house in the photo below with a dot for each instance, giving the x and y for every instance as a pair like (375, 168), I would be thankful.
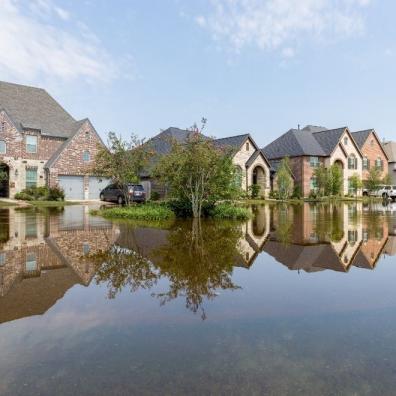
(373, 153)
(312, 146)
(41, 144)
(250, 162)
(390, 149)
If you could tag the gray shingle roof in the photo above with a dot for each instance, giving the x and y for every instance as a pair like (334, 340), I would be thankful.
(34, 108)
(390, 150)
(360, 137)
(310, 141)
(234, 142)
(328, 139)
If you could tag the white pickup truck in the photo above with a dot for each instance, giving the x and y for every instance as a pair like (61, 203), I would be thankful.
(386, 192)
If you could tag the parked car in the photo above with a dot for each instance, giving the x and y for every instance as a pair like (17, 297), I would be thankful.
(117, 193)
(383, 191)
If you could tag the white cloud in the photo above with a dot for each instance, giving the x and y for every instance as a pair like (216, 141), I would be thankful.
(39, 41)
(275, 24)
(288, 52)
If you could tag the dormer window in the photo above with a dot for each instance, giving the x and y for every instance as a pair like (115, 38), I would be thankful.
(31, 144)
(247, 146)
(3, 147)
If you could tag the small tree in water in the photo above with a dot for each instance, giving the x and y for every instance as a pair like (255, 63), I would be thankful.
(374, 179)
(196, 171)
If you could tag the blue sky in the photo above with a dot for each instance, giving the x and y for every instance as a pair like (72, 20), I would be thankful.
(257, 66)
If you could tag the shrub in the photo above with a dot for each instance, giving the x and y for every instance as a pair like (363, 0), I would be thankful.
(41, 194)
(231, 212)
(182, 208)
(297, 193)
(313, 195)
(274, 194)
(155, 196)
(138, 212)
(254, 190)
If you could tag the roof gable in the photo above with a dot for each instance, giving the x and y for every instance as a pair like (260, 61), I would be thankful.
(34, 108)
(361, 137)
(328, 139)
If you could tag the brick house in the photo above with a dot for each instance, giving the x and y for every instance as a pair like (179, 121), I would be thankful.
(373, 153)
(312, 146)
(41, 144)
(252, 166)
(390, 149)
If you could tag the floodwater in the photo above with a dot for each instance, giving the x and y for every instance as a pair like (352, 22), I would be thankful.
(298, 300)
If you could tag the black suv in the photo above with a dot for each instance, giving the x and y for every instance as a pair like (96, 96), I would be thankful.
(117, 193)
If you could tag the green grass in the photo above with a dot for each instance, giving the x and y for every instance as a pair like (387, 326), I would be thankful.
(231, 212)
(4, 204)
(149, 212)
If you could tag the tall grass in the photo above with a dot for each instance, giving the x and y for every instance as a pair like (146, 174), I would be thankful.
(230, 212)
(137, 212)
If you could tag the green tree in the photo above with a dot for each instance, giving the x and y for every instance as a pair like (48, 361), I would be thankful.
(121, 160)
(374, 179)
(284, 179)
(355, 184)
(335, 180)
(197, 171)
(322, 178)
(387, 180)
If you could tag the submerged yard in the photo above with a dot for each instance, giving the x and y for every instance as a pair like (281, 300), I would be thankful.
(92, 306)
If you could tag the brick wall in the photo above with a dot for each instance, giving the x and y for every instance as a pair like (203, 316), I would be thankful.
(372, 150)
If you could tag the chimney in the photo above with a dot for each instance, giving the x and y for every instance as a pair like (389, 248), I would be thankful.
(298, 126)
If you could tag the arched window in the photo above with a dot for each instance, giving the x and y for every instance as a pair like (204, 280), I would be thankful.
(86, 156)
(3, 147)
(352, 162)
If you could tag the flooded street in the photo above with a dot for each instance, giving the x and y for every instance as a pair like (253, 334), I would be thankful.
(298, 300)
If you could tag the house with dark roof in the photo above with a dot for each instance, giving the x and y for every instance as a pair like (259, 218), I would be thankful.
(312, 146)
(250, 162)
(390, 149)
(374, 155)
(42, 144)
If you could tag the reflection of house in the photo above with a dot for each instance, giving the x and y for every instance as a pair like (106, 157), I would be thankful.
(315, 237)
(44, 257)
(252, 166)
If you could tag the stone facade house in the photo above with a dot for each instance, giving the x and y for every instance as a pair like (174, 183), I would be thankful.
(313, 146)
(373, 153)
(41, 144)
(251, 163)
(390, 149)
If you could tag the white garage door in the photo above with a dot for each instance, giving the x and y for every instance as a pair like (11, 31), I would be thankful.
(96, 185)
(73, 186)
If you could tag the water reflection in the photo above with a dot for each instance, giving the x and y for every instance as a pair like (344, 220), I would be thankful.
(44, 253)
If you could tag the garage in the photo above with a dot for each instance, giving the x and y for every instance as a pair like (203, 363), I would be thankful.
(96, 185)
(73, 186)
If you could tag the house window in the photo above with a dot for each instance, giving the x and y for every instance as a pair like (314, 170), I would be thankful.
(31, 144)
(352, 162)
(87, 135)
(352, 237)
(247, 146)
(379, 163)
(86, 248)
(314, 184)
(31, 262)
(2, 259)
(345, 141)
(2, 147)
(31, 226)
(86, 156)
(31, 177)
(314, 162)
(366, 163)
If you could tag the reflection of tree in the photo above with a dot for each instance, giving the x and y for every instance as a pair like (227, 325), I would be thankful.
(329, 222)
(284, 230)
(197, 260)
(121, 267)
